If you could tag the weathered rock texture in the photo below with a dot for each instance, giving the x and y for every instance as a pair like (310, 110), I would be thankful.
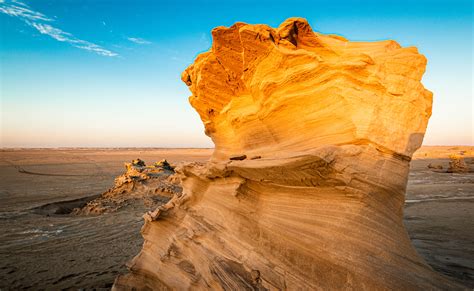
(329, 127)
(457, 164)
(154, 185)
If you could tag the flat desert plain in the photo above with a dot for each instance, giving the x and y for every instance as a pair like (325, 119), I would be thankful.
(42, 250)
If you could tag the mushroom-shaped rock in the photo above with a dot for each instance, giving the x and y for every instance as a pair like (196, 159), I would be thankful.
(337, 122)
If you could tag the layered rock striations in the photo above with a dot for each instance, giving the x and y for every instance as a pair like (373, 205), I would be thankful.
(305, 190)
(152, 185)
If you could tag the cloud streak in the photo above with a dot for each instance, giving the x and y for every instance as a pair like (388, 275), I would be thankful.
(41, 23)
(138, 40)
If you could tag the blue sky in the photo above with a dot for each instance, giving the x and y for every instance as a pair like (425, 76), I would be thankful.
(107, 73)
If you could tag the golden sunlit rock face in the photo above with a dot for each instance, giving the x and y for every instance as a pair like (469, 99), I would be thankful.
(305, 191)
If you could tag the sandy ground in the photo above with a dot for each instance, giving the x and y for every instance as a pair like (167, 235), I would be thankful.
(439, 213)
(40, 251)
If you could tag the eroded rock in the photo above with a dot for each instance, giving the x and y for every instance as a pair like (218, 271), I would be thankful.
(154, 185)
(457, 164)
(337, 122)
(435, 166)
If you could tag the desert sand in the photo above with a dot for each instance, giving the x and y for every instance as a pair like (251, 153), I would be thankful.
(41, 250)
(67, 251)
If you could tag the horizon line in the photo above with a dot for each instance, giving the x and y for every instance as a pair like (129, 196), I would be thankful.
(164, 148)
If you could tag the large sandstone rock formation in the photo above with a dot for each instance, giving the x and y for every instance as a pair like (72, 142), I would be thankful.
(328, 127)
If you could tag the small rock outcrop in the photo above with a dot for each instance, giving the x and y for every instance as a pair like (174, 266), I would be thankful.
(154, 185)
(335, 124)
(435, 166)
(457, 164)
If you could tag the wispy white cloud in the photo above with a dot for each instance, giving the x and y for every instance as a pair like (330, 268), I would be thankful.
(63, 36)
(21, 10)
(55, 33)
(138, 40)
(41, 22)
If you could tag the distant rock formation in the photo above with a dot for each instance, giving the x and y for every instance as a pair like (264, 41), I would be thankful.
(457, 164)
(333, 125)
(154, 185)
(435, 166)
